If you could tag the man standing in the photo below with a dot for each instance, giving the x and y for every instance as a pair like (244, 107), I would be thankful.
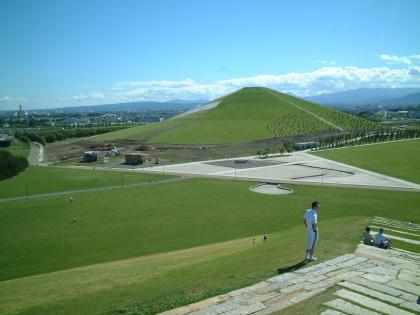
(310, 220)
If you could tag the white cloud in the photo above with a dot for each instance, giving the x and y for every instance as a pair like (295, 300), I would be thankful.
(13, 99)
(96, 96)
(326, 62)
(323, 80)
(400, 59)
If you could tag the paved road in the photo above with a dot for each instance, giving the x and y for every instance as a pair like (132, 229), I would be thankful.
(307, 111)
(69, 192)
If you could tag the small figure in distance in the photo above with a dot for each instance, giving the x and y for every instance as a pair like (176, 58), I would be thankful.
(71, 199)
(265, 237)
(381, 240)
(253, 241)
(367, 237)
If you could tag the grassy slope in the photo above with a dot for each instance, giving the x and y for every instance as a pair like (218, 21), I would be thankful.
(202, 271)
(49, 179)
(17, 148)
(118, 224)
(398, 159)
(242, 116)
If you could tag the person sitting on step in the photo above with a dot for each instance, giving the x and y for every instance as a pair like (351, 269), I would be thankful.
(381, 240)
(367, 237)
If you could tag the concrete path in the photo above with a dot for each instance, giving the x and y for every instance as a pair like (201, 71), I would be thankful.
(70, 192)
(369, 281)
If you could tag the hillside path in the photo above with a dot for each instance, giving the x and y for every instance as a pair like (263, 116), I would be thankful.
(362, 279)
(36, 153)
(307, 111)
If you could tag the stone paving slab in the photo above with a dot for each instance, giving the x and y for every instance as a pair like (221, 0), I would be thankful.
(349, 308)
(370, 292)
(384, 289)
(370, 303)
(374, 273)
(412, 306)
(405, 286)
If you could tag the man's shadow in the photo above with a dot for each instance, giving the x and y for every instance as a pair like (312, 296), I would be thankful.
(292, 268)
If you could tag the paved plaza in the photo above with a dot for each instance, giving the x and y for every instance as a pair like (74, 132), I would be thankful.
(299, 168)
(369, 281)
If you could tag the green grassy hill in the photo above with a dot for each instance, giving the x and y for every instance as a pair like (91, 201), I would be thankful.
(246, 115)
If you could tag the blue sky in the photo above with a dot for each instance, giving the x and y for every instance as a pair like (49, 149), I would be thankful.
(61, 53)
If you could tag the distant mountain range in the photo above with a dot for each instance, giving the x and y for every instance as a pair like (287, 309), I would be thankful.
(365, 97)
(131, 106)
(134, 106)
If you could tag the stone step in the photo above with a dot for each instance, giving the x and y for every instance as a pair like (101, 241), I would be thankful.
(412, 306)
(349, 308)
(396, 226)
(405, 286)
(331, 312)
(384, 289)
(370, 292)
(403, 239)
(398, 221)
(370, 303)
(394, 230)
(405, 251)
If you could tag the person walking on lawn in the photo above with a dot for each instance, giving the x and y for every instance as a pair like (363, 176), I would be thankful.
(310, 219)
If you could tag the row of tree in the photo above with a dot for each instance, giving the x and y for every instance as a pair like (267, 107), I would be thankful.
(287, 146)
(11, 165)
(350, 139)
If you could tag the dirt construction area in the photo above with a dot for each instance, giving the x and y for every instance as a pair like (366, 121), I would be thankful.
(298, 167)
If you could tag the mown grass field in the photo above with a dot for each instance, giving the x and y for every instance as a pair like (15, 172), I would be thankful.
(41, 180)
(17, 148)
(398, 159)
(39, 241)
(249, 114)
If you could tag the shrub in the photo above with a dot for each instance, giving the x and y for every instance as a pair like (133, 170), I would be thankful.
(11, 165)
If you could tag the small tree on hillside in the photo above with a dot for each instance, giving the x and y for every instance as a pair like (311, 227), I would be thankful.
(281, 150)
(288, 146)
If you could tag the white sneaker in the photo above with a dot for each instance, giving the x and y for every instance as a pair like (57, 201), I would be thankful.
(312, 258)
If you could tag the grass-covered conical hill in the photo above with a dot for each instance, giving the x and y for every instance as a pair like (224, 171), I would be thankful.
(249, 114)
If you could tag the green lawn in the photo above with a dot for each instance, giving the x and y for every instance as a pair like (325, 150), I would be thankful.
(40, 180)
(398, 159)
(17, 148)
(249, 114)
(38, 238)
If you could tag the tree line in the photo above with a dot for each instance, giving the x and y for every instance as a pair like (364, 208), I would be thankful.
(49, 136)
(11, 165)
